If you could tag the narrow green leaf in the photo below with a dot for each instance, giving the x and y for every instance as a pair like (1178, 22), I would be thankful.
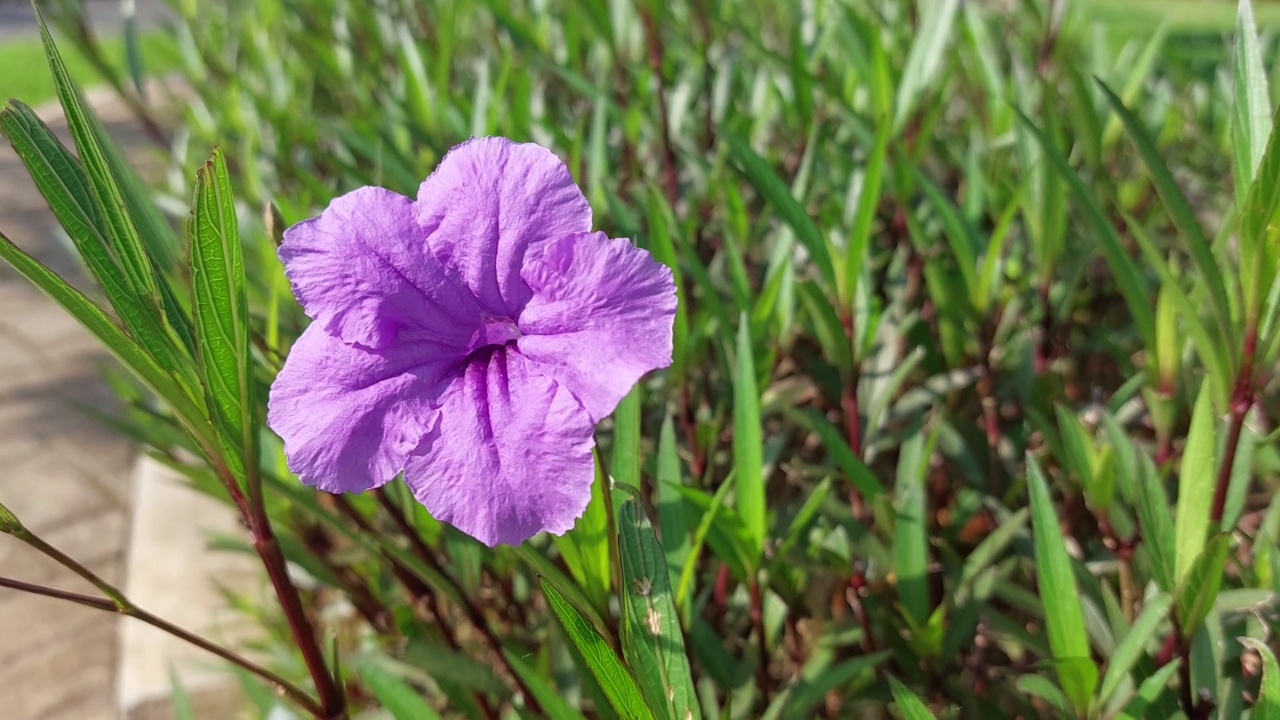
(585, 548)
(855, 471)
(549, 698)
(1064, 618)
(1149, 691)
(117, 192)
(924, 60)
(63, 182)
(685, 586)
(1198, 589)
(1210, 346)
(394, 694)
(773, 189)
(653, 641)
(221, 307)
(1267, 706)
(865, 213)
(1195, 486)
(911, 538)
(1251, 102)
(1179, 209)
(958, 233)
(910, 706)
(1123, 267)
(96, 322)
(812, 687)
(672, 523)
(625, 466)
(179, 700)
(1135, 641)
(748, 447)
(1043, 688)
(614, 678)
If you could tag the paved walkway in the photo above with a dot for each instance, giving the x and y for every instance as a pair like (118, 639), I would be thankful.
(64, 475)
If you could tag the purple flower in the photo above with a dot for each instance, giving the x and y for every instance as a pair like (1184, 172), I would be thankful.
(471, 339)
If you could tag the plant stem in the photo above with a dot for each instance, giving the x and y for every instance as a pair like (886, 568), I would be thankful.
(420, 591)
(128, 609)
(762, 644)
(654, 44)
(472, 612)
(1242, 398)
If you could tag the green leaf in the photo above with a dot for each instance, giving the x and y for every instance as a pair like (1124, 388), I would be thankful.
(65, 186)
(394, 694)
(549, 698)
(1064, 618)
(671, 512)
(773, 189)
(125, 208)
(1211, 347)
(615, 679)
(924, 60)
(1149, 691)
(179, 700)
(222, 308)
(1135, 641)
(812, 687)
(96, 322)
(958, 233)
(625, 466)
(1195, 486)
(585, 548)
(1043, 688)
(685, 586)
(748, 447)
(653, 642)
(910, 706)
(1179, 208)
(854, 470)
(911, 537)
(865, 213)
(1267, 706)
(1251, 103)
(1198, 589)
(1123, 267)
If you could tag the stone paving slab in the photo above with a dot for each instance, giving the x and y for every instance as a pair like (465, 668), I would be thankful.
(64, 474)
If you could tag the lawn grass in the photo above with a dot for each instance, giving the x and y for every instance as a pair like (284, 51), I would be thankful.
(28, 76)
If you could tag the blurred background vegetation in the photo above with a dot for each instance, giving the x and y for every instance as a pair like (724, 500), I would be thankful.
(971, 407)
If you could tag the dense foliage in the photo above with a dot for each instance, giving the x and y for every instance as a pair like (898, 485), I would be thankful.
(969, 413)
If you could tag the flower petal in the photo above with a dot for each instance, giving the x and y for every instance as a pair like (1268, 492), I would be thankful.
(363, 270)
(488, 203)
(600, 318)
(350, 417)
(513, 455)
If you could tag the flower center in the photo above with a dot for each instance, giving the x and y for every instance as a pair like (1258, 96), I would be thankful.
(495, 331)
